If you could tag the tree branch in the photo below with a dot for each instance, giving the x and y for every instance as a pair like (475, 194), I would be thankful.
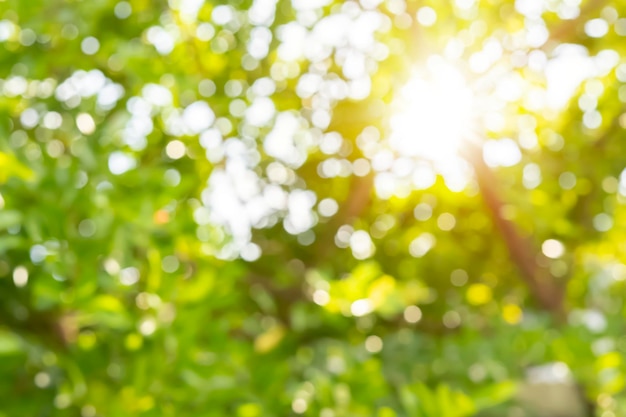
(541, 284)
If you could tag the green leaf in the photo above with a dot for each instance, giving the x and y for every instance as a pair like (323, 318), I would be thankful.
(11, 167)
(10, 242)
(10, 343)
(9, 218)
(495, 394)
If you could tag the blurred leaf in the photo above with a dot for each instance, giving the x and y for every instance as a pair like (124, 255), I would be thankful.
(10, 343)
(11, 167)
(269, 339)
(9, 218)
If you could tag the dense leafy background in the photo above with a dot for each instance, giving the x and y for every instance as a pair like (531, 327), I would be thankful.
(201, 215)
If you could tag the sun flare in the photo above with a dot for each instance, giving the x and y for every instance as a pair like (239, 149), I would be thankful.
(434, 113)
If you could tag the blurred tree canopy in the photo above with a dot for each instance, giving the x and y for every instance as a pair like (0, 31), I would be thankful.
(217, 209)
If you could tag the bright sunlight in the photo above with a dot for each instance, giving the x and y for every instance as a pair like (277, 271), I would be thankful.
(434, 113)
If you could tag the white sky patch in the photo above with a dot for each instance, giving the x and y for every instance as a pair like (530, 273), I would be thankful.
(90, 83)
(550, 373)
(109, 96)
(52, 120)
(622, 183)
(482, 60)
(571, 66)
(361, 245)
(361, 34)
(422, 244)
(259, 42)
(81, 84)
(123, 10)
(309, 4)
(29, 118)
(565, 73)
(129, 275)
(263, 87)
(260, 112)
(532, 176)
(536, 34)
(373, 344)
(198, 116)
(343, 31)
(175, 149)
(7, 29)
(147, 326)
(412, 314)
(258, 209)
(530, 8)
(237, 198)
(321, 297)
(501, 153)
(330, 143)
(361, 307)
(85, 123)
(20, 276)
(120, 162)
(222, 14)
(553, 248)
(370, 4)
(90, 45)
(205, 32)
(226, 208)
(15, 86)
(211, 139)
(251, 252)
(140, 125)
(426, 16)
(332, 30)
(456, 180)
(300, 217)
(279, 143)
(189, 9)
(594, 320)
(275, 197)
(262, 12)
(245, 181)
(157, 95)
(328, 207)
(596, 28)
(354, 64)
(510, 88)
(293, 38)
(162, 40)
(139, 106)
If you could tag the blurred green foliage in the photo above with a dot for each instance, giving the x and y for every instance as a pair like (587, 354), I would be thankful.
(201, 213)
